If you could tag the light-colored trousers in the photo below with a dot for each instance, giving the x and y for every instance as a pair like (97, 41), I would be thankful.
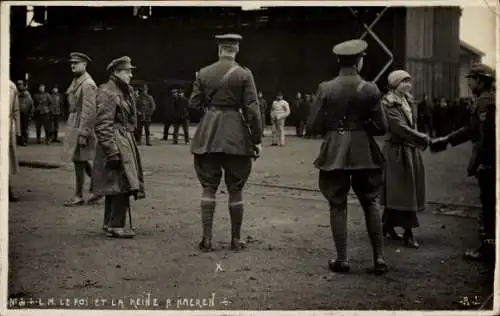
(278, 130)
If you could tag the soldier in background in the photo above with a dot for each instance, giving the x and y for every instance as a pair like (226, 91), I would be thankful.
(43, 105)
(223, 142)
(302, 116)
(424, 111)
(168, 112)
(56, 113)
(181, 116)
(347, 111)
(27, 108)
(145, 108)
(263, 110)
(294, 115)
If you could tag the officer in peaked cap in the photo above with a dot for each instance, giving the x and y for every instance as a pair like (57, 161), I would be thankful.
(348, 113)
(118, 169)
(354, 47)
(122, 63)
(80, 141)
(223, 140)
(76, 57)
(481, 132)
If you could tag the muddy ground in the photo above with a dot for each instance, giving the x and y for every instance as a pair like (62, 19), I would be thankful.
(61, 256)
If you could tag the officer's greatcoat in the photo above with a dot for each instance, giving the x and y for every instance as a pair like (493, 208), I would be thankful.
(347, 112)
(115, 123)
(404, 188)
(81, 96)
(221, 129)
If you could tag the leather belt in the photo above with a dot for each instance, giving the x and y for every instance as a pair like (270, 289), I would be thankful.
(341, 127)
(222, 108)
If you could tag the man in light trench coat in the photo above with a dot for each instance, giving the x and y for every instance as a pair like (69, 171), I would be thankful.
(79, 139)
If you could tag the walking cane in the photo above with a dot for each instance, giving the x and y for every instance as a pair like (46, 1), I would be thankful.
(130, 218)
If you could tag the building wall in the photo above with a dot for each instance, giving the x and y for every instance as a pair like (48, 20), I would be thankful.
(466, 60)
(432, 50)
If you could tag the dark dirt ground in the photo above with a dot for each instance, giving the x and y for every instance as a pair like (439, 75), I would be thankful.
(61, 253)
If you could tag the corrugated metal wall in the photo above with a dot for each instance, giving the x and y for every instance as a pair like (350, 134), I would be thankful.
(432, 50)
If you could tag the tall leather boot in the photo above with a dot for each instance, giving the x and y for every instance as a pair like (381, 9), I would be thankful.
(148, 141)
(338, 223)
(374, 227)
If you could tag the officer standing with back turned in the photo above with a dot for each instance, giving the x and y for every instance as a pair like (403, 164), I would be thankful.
(347, 111)
(228, 136)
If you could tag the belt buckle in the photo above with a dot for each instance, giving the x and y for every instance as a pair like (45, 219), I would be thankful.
(341, 131)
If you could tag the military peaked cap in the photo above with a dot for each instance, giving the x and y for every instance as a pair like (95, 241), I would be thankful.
(350, 48)
(229, 38)
(78, 57)
(481, 70)
(121, 63)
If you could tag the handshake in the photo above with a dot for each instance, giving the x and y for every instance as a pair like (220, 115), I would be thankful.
(438, 144)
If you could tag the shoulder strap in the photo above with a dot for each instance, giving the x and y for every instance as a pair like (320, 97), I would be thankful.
(221, 83)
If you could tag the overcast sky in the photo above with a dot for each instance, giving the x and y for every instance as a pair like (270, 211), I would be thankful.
(477, 27)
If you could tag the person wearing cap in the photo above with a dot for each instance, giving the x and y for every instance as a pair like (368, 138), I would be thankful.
(181, 116)
(15, 132)
(79, 137)
(403, 194)
(169, 112)
(118, 170)
(43, 104)
(480, 130)
(145, 108)
(55, 113)
(26, 107)
(280, 110)
(347, 111)
(228, 135)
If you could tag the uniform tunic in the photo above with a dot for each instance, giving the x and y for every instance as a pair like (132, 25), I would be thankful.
(347, 111)
(145, 107)
(221, 140)
(221, 129)
(404, 188)
(115, 123)
(81, 96)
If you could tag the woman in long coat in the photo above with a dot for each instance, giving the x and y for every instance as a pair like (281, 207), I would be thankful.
(15, 131)
(404, 190)
(117, 167)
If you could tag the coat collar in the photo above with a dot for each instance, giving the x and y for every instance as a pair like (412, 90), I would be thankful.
(391, 99)
(77, 82)
(348, 71)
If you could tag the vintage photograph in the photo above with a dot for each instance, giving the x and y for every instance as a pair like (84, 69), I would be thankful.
(254, 156)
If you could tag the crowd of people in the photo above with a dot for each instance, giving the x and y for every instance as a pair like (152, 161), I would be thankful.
(105, 124)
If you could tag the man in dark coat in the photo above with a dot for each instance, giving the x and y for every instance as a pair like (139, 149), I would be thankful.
(26, 108)
(222, 140)
(481, 131)
(181, 116)
(145, 108)
(263, 110)
(55, 113)
(117, 168)
(168, 112)
(424, 112)
(43, 104)
(347, 111)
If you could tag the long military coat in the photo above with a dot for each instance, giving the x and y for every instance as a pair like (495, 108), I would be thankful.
(14, 128)
(404, 188)
(353, 103)
(81, 96)
(221, 130)
(115, 124)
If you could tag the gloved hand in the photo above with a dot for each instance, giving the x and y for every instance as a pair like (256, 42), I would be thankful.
(114, 163)
(82, 141)
(257, 150)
